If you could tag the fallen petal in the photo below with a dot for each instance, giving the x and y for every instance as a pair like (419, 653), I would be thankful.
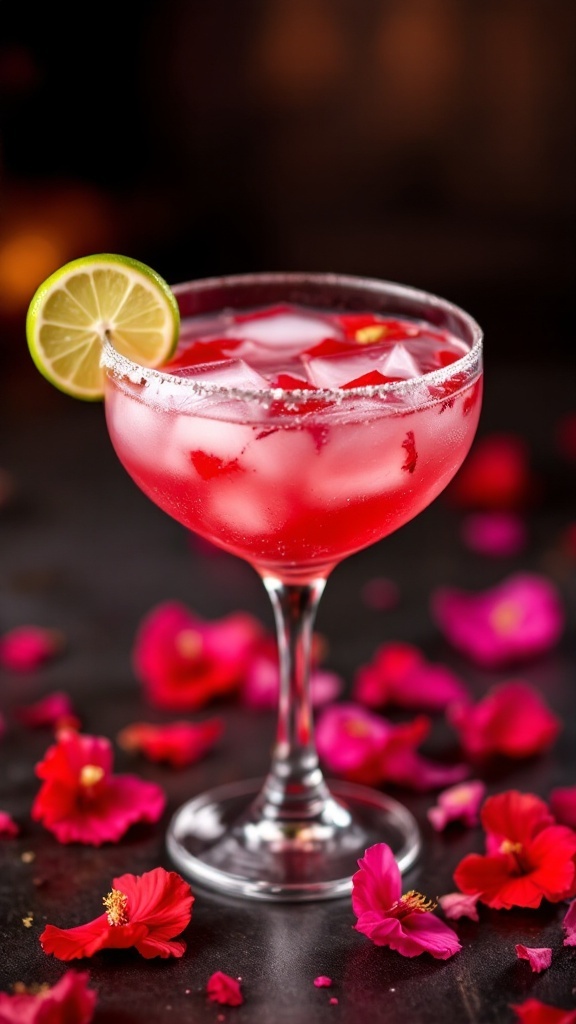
(221, 988)
(538, 958)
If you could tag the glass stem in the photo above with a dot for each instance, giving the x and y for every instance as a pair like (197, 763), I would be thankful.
(295, 789)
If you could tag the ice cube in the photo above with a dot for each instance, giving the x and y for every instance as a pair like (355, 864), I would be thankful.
(336, 371)
(225, 373)
(289, 332)
(398, 362)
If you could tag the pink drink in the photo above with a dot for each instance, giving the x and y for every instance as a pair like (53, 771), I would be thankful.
(308, 475)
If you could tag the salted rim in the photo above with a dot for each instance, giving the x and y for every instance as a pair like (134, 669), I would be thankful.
(121, 365)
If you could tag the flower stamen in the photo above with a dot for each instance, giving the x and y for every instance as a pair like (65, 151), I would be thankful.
(116, 904)
(368, 335)
(189, 643)
(90, 774)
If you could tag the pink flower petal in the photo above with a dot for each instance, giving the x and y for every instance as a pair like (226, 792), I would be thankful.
(539, 959)
(322, 981)
(569, 925)
(221, 988)
(8, 827)
(458, 803)
(520, 618)
(399, 674)
(512, 719)
(563, 805)
(54, 710)
(497, 534)
(457, 904)
(69, 1000)
(27, 648)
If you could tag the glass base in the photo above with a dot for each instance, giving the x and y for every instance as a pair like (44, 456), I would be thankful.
(220, 840)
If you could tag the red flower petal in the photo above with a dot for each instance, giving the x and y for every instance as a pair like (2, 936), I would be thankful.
(184, 662)
(512, 719)
(145, 911)
(563, 805)
(26, 648)
(532, 1011)
(221, 988)
(8, 826)
(179, 743)
(497, 534)
(80, 800)
(496, 474)
(69, 1001)
(538, 958)
(399, 674)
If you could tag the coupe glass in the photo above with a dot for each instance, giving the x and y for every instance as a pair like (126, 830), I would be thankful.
(314, 481)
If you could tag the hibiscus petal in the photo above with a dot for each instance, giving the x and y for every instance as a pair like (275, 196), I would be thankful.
(27, 648)
(377, 885)
(178, 743)
(533, 1011)
(458, 803)
(497, 534)
(69, 1000)
(489, 878)
(562, 802)
(221, 988)
(160, 898)
(8, 827)
(431, 935)
(456, 905)
(538, 958)
(53, 710)
(74, 943)
(512, 720)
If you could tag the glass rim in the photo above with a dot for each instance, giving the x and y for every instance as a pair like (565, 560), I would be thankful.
(122, 366)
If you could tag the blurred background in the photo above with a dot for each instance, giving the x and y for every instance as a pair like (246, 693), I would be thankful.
(425, 141)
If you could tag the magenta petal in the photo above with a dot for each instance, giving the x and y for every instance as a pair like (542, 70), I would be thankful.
(26, 648)
(457, 904)
(8, 826)
(377, 885)
(539, 959)
(431, 935)
(562, 802)
(498, 534)
(458, 803)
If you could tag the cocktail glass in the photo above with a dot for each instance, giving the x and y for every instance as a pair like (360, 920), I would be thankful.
(296, 485)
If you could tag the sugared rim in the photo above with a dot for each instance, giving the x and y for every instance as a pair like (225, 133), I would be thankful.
(468, 365)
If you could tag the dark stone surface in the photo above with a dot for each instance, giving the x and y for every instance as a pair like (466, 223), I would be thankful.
(85, 552)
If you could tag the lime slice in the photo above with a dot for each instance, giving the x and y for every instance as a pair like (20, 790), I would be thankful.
(95, 297)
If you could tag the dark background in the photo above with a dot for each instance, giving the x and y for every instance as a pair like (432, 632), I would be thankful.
(424, 141)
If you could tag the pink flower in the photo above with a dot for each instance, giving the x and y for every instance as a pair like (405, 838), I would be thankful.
(322, 981)
(80, 800)
(458, 803)
(538, 958)
(366, 748)
(512, 719)
(495, 475)
(569, 925)
(184, 662)
(562, 802)
(399, 674)
(516, 620)
(457, 904)
(221, 988)
(69, 1001)
(145, 911)
(8, 827)
(180, 743)
(528, 857)
(532, 1011)
(53, 711)
(26, 648)
(404, 923)
(497, 534)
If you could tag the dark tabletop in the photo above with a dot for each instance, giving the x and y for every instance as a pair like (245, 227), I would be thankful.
(85, 552)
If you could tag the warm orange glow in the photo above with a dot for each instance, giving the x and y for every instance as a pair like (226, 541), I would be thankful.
(26, 258)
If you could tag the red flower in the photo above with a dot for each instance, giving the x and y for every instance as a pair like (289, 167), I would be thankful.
(532, 1011)
(69, 1001)
(81, 801)
(529, 858)
(221, 988)
(518, 619)
(367, 748)
(458, 803)
(180, 743)
(404, 923)
(8, 827)
(26, 648)
(495, 475)
(497, 534)
(145, 911)
(562, 802)
(184, 662)
(54, 711)
(538, 958)
(399, 674)
(512, 719)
